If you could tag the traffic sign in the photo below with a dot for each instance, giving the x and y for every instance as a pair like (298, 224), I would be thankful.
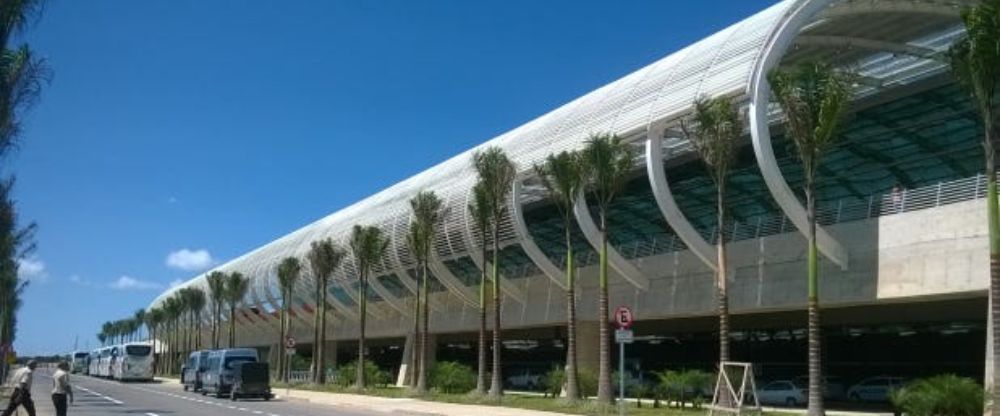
(623, 317)
(623, 336)
(289, 342)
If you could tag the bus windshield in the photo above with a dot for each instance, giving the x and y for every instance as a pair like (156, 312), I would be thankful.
(140, 350)
(81, 355)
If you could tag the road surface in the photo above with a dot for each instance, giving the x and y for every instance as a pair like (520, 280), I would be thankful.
(97, 397)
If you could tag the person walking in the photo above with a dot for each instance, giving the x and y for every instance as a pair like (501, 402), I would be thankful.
(61, 388)
(22, 390)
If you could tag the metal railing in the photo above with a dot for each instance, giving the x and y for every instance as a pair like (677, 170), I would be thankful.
(306, 376)
(841, 211)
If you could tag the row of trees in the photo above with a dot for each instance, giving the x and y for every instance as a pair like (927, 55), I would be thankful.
(176, 324)
(22, 75)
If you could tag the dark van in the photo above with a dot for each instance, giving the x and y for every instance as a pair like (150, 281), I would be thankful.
(218, 378)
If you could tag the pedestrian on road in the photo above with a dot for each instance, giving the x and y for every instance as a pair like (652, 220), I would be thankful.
(22, 390)
(61, 388)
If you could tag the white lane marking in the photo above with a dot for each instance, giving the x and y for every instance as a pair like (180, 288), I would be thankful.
(110, 399)
(152, 414)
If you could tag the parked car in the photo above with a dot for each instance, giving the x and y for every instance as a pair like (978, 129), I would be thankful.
(218, 378)
(874, 389)
(783, 392)
(251, 380)
(833, 386)
(193, 369)
(524, 379)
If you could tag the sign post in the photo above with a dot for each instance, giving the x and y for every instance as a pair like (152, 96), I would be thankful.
(623, 335)
(289, 352)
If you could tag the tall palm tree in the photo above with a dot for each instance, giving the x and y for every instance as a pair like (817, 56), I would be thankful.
(563, 176)
(154, 320)
(106, 330)
(717, 130)
(217, 293)
(414, 239)
(16, 16)
(288, 274)
(608, 161)
(196, 304)
(324, 258)
(236, 289)
(427, 213)
(496, 173)
(479, 211)
(173, 308)
(15, 242)
(140, 319)
(368, 244)
(975, 62)
(815, 99)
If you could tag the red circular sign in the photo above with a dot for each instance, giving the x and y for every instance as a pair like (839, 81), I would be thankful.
(623, 317)
(289, 342)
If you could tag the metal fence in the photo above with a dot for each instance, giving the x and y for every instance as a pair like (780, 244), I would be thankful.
(844, 210)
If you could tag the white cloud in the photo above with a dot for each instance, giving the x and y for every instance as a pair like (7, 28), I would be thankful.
(131, 283)
(190, 260)
(32, 269)
(77, 280)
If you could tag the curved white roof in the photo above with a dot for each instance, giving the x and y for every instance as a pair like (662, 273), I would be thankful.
(719, 65)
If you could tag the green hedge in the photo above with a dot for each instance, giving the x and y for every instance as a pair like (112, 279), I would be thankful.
(943, 395)
(452, 377)
(374, 376)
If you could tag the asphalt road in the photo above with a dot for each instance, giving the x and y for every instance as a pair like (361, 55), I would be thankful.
(97, 397)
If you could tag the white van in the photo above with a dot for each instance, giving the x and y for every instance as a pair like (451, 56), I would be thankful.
(134, 361)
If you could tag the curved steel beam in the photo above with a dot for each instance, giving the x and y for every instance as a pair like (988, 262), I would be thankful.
(615, 259)
(760, 94)
(474, 253)
(870, 44)
(401, 274)
(451, 282)
(388, 296)
(351, 292)
(544, 263)
(668, 206)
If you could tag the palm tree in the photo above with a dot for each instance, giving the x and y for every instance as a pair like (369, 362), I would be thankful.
(288, 274)
(426, 207)
(154, 319)
(140, 319)
(608, 161)
(196, 304)
(975, 62)
(217, 292)
(16, 16)
(717, 130)
(814, 98)
(563, 176)
(173, 308)
(236, 289)
(368, 244)
(414, 238)
(106, 329)
(324, 258)
(496, 173)
(479, 211)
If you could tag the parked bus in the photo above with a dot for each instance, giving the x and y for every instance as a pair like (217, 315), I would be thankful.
(80, 361)
(133, 361)
(94, 362)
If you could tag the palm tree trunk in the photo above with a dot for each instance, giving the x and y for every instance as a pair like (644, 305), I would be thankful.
(816, 407)
(722, 272)
(424, 347)
(604, 394)
(496, 387)
(318, 310)
(993, 213)
(283, 332)
(232, 325)
(481, 376)
(572, 379)
(415, 351)
(359, 377)
(321, 363)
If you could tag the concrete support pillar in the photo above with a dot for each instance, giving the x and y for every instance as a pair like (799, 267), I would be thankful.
(405, 372)
(587, 347)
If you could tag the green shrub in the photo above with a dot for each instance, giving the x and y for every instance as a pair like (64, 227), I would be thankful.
(347, 375)
(684, 386)
(553, 381)
(452, 377)
(943, 395)
(588, 382)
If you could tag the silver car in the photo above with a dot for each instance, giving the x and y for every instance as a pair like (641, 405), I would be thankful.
(874, 389)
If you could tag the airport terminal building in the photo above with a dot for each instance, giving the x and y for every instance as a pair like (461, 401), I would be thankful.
(904, 267)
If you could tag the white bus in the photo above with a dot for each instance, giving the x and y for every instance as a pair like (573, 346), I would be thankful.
(132, 361)
(79, 364)
(104, 362)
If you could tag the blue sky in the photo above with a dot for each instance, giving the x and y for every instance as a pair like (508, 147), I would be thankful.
(180, 134)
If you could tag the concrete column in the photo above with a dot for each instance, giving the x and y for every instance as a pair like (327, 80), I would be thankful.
(405, 372)
(587, 347)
